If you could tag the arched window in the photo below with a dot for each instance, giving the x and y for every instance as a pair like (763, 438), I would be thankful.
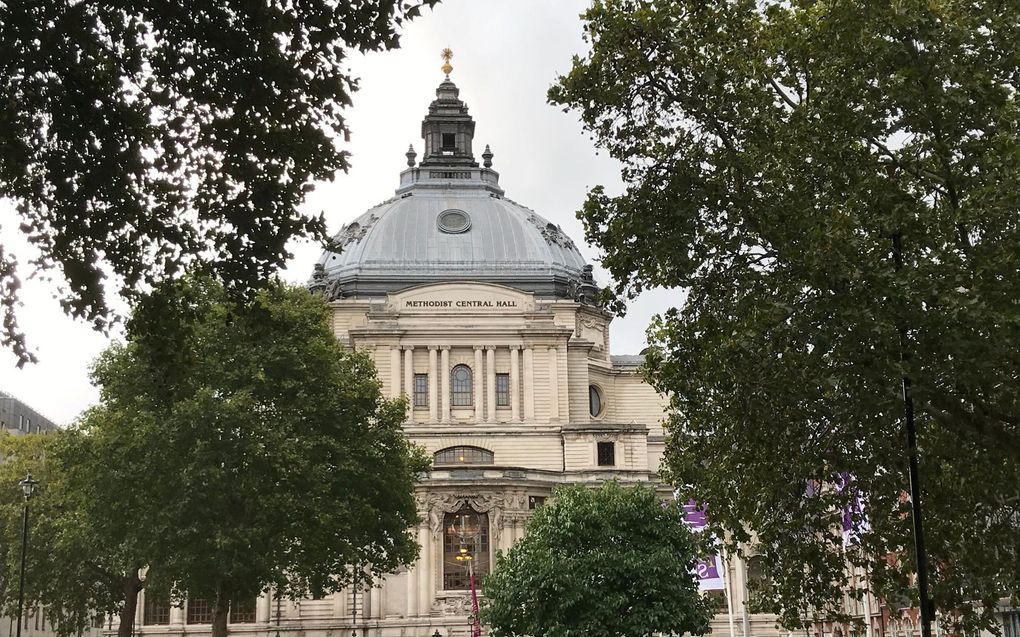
(462, 455)
(465, 534)
(461, 396)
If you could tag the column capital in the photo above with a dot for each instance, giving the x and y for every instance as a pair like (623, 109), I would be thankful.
(433, 348)
(445, 348)
(514, 348)
(479, 348)
(490, 348)
(407, 348)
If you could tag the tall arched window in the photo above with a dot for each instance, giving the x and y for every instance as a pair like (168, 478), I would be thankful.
(461, 386)
(476, 542)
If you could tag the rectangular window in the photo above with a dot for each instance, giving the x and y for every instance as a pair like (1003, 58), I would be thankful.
(449, 141)
(535, 501)
(607, 454)
(156, 611)
(421, 390)
(199, 611)
(242, 612)
(502, 390)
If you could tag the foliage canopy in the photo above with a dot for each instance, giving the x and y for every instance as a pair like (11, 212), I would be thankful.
(774, 151)
(237, 447)
(137, 137)
(607, 562)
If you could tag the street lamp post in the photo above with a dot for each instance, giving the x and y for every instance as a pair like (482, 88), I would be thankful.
(27, 489)
(913, 473)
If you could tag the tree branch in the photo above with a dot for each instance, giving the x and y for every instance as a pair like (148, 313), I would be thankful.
(779, 91)
(992, 433)
(907, 168)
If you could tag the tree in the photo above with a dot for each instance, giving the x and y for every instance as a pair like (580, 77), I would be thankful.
(238, 447)
(606, 562)
(138, 137)
(77, 567)
(774, 155)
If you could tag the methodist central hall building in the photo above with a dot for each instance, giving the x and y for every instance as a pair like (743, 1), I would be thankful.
(483, 313)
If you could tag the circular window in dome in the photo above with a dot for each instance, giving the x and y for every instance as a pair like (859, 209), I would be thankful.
(454, 221)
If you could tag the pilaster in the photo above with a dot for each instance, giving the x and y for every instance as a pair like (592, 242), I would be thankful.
(476, 378)
(529, 383)
(409, 380)
(515, 386)
(444, 378)
(490, 382)
(433, 383)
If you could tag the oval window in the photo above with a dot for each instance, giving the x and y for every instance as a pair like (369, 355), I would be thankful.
(453, 221)
(594, 400)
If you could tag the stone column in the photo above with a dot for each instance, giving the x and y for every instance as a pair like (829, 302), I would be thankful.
(563, 356)
(176, 615)
(490, 381)
(433, 383)
(515, 383)
(476, 378)
(262, 604)
(529, 383)
(339, 605)
(412, 586)
(444, 381)
(139, 609)
(409, 380)
(378, 600)
(424, 570)
(394, 371)
(554, 384)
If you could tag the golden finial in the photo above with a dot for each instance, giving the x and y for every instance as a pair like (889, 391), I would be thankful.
(447, 55)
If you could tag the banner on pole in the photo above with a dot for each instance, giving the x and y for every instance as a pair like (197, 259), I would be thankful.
(710, 571)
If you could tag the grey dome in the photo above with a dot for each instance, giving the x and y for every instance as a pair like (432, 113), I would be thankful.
(450, 222)
(401, 243)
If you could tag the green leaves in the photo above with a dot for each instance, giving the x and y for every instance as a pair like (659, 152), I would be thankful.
(271, 454)
(139, 138)
(611, 562)
(772, 151)
(236, 446)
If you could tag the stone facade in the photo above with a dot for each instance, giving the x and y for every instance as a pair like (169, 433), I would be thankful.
(483, 314)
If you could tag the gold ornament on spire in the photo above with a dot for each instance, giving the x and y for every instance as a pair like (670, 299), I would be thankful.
(447, 55)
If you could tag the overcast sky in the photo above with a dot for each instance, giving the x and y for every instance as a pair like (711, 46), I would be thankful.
(506, 54)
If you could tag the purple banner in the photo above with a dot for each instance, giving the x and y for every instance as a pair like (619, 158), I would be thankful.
(710, 571)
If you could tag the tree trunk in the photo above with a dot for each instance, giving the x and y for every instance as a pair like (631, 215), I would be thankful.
(132, 586)
(221, 610)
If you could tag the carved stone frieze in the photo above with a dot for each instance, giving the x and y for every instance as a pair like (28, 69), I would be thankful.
(552, 233)
(353, 232)
(451, 605)
(504, 509)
